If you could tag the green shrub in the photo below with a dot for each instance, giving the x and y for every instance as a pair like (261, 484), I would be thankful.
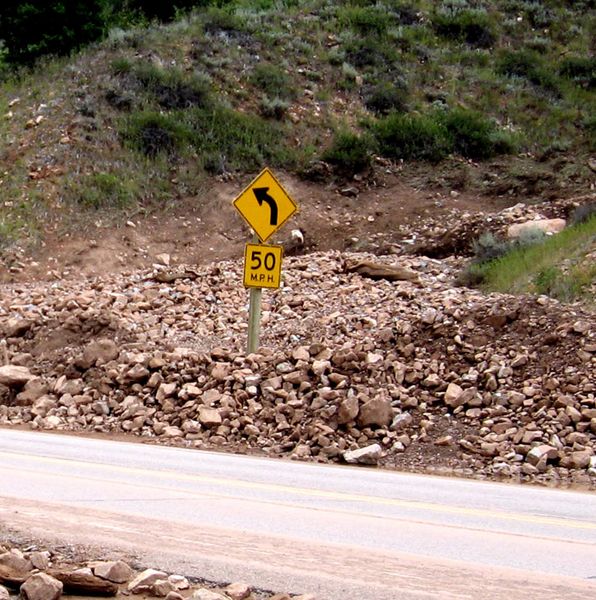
(273, 108)
(349, 152)
(489, 246)
(583, 213)
(369, 52)
(366, 20)
(412, 137)
(557, 265)
(217, 20)
(528, 65)
(172, 88)
(385, 97)
(580, 69)
(154, 133)
(236, 140)
(473, 27)
(272, 80)
(121, 66)
(473, 136)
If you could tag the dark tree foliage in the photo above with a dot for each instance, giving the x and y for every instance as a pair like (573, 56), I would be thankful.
(38, 27)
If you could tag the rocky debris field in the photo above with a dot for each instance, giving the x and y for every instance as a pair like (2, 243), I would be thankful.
(404, 372)
(37, 574)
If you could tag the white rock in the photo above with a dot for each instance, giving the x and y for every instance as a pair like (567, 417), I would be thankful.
(205, 594)
(144, 580)
(369, 455)
(548, 226)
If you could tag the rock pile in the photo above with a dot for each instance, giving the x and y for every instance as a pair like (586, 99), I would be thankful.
(413, 374)
(41, 575)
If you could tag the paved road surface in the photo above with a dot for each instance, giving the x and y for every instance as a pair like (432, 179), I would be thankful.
(344, 533)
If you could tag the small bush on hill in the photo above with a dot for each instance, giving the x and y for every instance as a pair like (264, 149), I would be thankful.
(528, 65)
(385, 97)
(172, 88)
(583, 213)
(273, 108)
(349, 152)
(237, 140)
(366, 20)
(154, 133)
(369, 52)
(580, 69)
(433, 136)
(473, 136)
(272, 80)
(473, 27)
(411, 137)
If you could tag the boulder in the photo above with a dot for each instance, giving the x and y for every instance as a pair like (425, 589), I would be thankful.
(116, 571)
(13, 376)
(238, 590)
(16, 327)
(454, 396)
(41, 587)
(348, 410)
(377, 411)
(99, 352)
(144, 580)
(209, 417)
(548, 226)
(540, 453)
(15, 561)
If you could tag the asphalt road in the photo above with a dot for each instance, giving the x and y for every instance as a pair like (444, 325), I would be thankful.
(341, 532)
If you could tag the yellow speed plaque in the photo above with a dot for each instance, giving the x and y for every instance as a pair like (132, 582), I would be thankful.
(262, 266)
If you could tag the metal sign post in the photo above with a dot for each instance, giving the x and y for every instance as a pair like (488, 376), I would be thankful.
(265, 206)
(254, 318)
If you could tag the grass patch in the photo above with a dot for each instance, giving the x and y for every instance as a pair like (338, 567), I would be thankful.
(104, 190)
(558, 266)
(273, 81)
(221, 138)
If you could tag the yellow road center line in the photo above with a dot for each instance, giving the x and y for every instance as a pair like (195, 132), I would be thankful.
(309, 492)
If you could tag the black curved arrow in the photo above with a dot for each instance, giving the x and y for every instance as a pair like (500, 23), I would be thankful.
(262, 196)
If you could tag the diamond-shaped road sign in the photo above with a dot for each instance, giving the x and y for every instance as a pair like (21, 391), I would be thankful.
(265, 205)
